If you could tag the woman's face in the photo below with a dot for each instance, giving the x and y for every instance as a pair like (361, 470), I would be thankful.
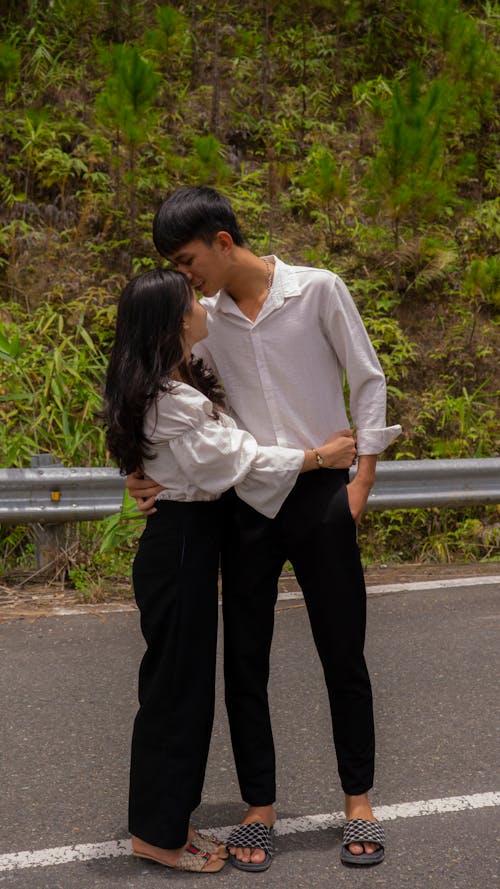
(195, 324)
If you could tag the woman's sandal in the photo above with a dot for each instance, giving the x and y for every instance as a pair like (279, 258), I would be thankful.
(361, 831)
(210, 843)
(254, 835)
(193, 859)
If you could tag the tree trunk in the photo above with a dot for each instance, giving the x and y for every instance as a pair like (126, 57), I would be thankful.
(215, 111)
(264, 71)
(304, 66)
(272, 190)
(132, 202)
(397, 267)
(195, 54)
(118, 181)
(115, 20)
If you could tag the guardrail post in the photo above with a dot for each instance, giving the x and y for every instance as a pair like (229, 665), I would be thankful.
(49, 538)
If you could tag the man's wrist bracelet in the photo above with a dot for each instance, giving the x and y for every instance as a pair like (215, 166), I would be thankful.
(319, 458)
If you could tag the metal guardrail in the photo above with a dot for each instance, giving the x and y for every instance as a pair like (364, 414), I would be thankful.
(410, 484)
(55, 494)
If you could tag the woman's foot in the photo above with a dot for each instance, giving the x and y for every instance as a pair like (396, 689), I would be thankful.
(359, 807)
(265, 815)
(210, 843)
(189, 857)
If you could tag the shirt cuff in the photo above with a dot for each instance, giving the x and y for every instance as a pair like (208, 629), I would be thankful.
(374, 441)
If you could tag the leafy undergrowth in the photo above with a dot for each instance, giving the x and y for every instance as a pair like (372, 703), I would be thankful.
(362, 137)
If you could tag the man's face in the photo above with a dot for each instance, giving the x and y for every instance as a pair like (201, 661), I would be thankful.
(204, 265)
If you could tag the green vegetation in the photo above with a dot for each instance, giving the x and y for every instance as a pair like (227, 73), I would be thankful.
(364, 137)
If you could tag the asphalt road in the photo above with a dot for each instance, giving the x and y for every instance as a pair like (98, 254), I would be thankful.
(68, 685)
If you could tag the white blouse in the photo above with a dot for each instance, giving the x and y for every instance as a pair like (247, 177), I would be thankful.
(199, 457)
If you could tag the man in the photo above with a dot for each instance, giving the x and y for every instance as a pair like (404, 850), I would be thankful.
(280, 338)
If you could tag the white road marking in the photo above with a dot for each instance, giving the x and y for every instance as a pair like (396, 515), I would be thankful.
(117, 848)
(64, 855)
(66, 611)
(391, 813)
(372, 590)
(381, 589)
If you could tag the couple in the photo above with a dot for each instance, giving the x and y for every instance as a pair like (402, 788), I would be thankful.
(279, 338)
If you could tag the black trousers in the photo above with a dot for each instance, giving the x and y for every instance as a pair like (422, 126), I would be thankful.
(175, 576)
(316, 532)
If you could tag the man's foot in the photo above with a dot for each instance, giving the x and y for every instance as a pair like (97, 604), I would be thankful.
(360, 807)
(189, 857)
(264, 815)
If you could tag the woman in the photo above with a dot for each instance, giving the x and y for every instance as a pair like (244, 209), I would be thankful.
(165, 413)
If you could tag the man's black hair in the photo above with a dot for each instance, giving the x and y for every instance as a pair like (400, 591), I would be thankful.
(193, 212)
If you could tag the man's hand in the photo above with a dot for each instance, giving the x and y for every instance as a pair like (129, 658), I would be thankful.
(339, 450)
(359, 489)
(144, 490)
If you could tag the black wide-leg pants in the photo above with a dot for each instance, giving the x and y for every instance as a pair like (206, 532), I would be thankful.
(175, 576)
(316, 532)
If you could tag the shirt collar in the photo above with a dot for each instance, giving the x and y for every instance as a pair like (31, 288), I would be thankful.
(285, 284)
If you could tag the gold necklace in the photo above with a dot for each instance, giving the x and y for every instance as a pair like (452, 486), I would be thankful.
(269, 270)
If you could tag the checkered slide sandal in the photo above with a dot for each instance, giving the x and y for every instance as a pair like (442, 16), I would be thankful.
(361, 831)
(252, 836)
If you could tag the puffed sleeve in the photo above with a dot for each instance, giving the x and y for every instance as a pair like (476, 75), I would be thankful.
(271, 477)
(215, 455)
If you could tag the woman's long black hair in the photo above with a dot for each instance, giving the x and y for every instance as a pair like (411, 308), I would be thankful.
(147, 349)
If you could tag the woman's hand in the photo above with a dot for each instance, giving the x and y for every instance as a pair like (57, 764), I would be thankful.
(339, 450)
(144, 490)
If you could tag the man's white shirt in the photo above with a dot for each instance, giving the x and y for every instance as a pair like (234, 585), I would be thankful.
(283, 373)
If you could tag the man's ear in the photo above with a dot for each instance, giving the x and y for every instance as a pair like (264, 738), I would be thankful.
(224, 241)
